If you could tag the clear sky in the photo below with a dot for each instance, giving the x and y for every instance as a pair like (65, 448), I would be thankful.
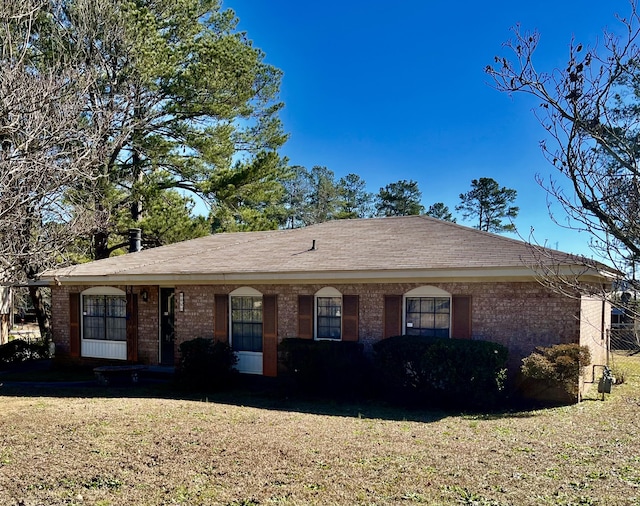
(397, 90)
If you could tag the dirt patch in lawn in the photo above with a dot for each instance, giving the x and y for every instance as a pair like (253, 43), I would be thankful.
(150, 446)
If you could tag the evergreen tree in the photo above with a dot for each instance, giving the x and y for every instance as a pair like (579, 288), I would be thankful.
(323, 200)
(257, 205)
(312, 196)
(490, 204)
(186, 95)
(401, 198)
(354, 199)
(297, 188)
(441, 212)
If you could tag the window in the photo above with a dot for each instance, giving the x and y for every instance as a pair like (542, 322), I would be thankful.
(104, 317)
(427, 312)
(328, 302)
(246, 320)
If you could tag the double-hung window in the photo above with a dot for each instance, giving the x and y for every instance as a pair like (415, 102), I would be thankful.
(246, 323)
(328, 306)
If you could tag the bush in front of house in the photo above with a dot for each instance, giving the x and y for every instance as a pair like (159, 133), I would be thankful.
(444, 372)
(205, 363)
(560, 365)
(325, 367)
(18, 350)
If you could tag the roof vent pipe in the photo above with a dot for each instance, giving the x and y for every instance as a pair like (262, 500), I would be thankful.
(135, 240)
(313, 245)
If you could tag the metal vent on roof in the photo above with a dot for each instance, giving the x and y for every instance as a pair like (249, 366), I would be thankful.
(135, 240)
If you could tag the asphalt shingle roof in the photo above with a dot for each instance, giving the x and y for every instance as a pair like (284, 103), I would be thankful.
(378, 244)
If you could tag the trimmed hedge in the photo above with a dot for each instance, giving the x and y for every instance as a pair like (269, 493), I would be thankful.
(445, 372)
(205, 363)
(18, 350)
(325, 367)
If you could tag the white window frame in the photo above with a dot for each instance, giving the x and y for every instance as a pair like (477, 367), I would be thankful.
(101, 348)
(249, 362)
(426, 292)
(245, 291)
(327, 291)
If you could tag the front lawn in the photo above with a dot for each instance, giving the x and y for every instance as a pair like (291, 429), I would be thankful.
(147, 446)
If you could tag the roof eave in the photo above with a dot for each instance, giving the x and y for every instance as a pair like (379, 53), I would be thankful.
(362, 276)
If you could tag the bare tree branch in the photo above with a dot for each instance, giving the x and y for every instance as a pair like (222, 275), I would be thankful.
(591, 112)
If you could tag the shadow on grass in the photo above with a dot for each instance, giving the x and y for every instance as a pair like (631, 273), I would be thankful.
(243, 393)
(250, 391)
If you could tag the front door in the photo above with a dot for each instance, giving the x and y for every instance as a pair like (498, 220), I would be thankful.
(167, 326)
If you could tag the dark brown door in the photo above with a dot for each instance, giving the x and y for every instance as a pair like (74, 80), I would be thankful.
(167, 326)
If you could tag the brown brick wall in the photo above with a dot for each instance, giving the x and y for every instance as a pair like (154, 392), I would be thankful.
(197, 318)
(520, 316)
(147, 320)
(60, 317)
(148, 325)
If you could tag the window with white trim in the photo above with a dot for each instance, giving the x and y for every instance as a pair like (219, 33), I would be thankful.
(246, 320)
(427, 312)
(328, 312)
(104, 314)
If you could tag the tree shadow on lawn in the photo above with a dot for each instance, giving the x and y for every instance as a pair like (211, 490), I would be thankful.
(248, 391)
(238, 395)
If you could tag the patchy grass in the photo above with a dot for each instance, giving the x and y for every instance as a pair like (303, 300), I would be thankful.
(146, 446)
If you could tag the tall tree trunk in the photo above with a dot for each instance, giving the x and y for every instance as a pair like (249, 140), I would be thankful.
(101, 245)
(136, 161)
(42, 315)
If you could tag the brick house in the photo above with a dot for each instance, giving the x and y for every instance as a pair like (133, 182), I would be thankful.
(360, 280)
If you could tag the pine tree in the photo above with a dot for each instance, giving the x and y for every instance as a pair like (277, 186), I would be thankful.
(489, 204)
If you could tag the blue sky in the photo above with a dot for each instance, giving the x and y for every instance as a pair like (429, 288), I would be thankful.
(397, 90)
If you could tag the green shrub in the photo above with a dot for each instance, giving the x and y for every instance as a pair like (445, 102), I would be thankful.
(205, 363)
(449, 372)
(560, 364)
(19, 350)
(325, 367)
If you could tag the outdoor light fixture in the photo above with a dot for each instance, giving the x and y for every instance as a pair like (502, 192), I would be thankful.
(144, 295)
